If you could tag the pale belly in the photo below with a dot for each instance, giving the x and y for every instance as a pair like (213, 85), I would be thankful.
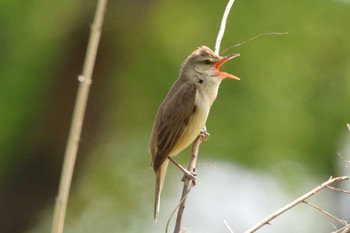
(193, 129)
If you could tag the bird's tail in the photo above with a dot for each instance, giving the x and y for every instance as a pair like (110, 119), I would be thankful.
(160, 176)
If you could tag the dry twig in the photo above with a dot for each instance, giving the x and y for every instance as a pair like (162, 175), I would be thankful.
(269, 218)
(253, 38)
(339, 190)
(341, 221)
(344, 229)
(228, 226)
(223, 26)
(188, 183)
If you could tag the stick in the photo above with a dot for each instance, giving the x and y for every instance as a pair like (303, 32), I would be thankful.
(77, 121)
(188, 183)
(344, 229)
(339, 190)
(173, 213)
(343, 222)
(295, 202)
(222, 26)
(253, 38)
(228, 227)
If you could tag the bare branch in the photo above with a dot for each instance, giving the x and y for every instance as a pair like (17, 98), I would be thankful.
(173, 213)
(339, 190)
(188, 183)
(223, 26)
(295, 202)
(228, 226)
(253, 38)
(347, 162)
(343, 222)
(344, 229)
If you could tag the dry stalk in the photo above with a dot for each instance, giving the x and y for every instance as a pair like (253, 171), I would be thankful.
(223, 26)
(228, 226)
(188, 183)
(77, 121)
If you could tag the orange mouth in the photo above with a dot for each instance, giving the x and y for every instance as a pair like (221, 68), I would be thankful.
(222, 61)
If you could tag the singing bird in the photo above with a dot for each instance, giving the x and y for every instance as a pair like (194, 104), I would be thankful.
(184, 111)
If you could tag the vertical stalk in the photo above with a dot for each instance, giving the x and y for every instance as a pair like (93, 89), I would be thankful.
(223, 26)
(77, 121)
(188, 184)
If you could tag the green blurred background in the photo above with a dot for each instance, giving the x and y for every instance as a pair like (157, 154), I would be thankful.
(286, 118)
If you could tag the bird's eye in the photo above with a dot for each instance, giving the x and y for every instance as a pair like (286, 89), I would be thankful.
(207, 62)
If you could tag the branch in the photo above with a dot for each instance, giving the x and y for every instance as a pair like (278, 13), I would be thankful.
(188, 183)
(228, 226)
(339, 190)
(254, 38)
(222, 26)
(295, 202)
(341, 221)
(77, 121)
(344, 229)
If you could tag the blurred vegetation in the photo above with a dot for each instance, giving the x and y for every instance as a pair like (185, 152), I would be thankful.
(290, 105)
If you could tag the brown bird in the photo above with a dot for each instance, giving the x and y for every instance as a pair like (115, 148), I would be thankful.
(184, 111)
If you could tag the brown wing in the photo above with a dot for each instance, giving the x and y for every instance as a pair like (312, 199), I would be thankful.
(171, 121)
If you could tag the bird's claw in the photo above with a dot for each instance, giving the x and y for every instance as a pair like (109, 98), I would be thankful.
(204, 134)
(191, 176)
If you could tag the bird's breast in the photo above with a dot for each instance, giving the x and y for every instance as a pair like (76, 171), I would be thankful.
(195, 124)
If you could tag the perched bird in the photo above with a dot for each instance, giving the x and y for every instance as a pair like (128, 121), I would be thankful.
(184, 111)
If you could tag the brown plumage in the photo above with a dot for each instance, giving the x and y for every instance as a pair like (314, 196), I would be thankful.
(184, 111)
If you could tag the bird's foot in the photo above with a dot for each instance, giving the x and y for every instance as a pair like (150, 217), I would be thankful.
(191, 176)
(187, 174)
(204, 134)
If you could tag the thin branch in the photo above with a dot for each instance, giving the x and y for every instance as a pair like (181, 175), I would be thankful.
(228, 226)
(223, 26)
(253, 38)
(343, 222)
(173, 213)
(339, 190)
(77, 121)
(295, 202)
(344, 160)
(188, 183)
(344, 229)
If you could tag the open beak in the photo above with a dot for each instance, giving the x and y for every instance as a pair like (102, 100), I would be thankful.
(222, 61)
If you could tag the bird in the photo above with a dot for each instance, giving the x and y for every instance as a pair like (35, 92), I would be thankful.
(183, 114)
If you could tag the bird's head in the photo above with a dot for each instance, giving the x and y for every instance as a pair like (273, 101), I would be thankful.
(203, 64)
